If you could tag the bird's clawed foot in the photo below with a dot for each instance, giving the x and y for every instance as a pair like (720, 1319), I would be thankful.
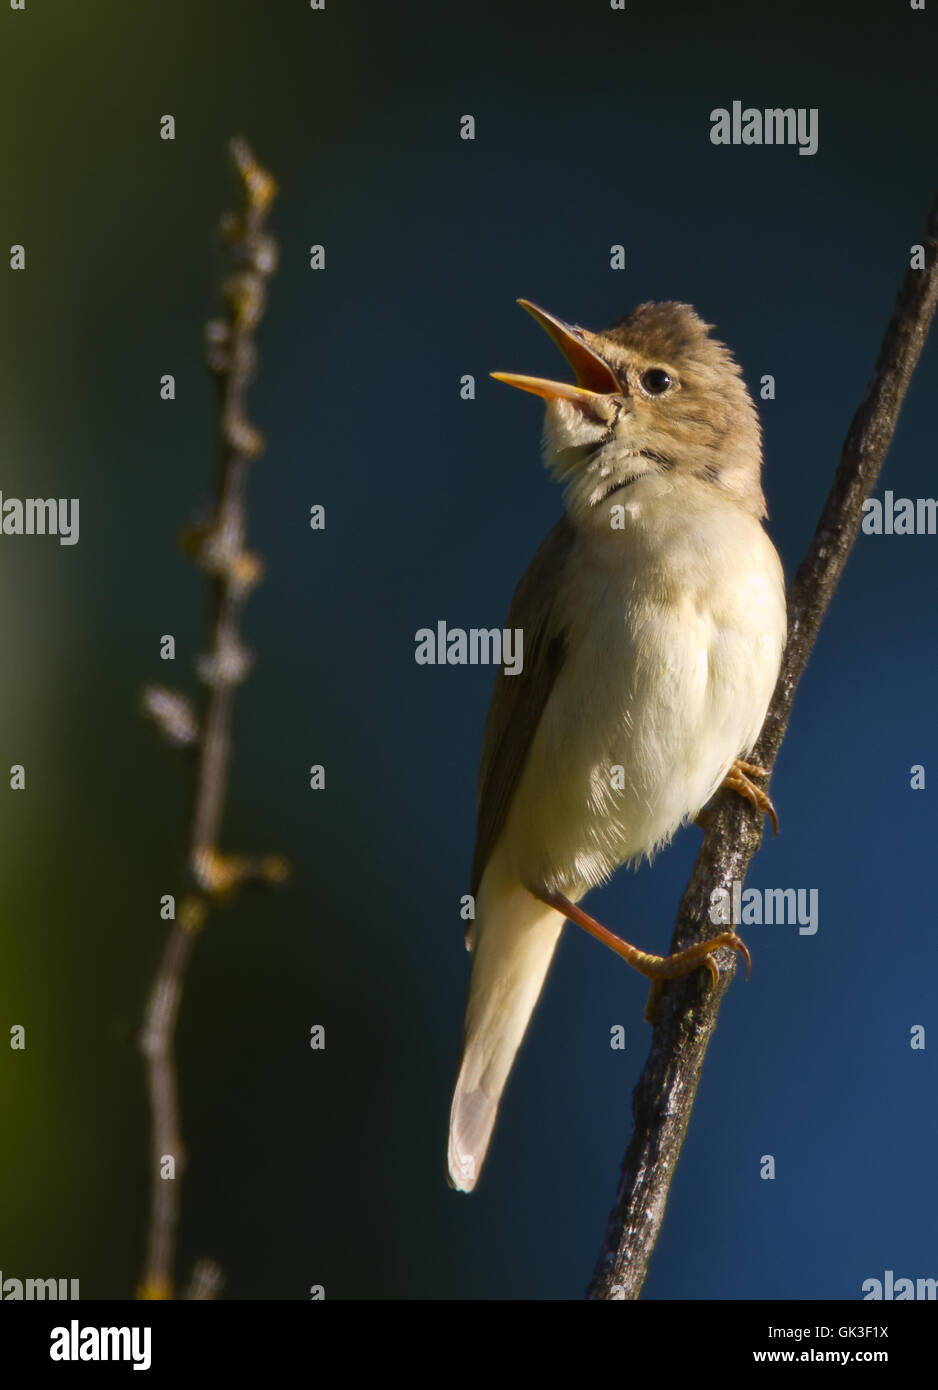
(682, 962)
(658, 969)
(737, 779)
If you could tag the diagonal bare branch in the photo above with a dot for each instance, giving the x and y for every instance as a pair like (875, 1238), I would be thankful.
(664, 1097)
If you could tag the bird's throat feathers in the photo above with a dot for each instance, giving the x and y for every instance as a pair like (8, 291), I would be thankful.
(683, 411)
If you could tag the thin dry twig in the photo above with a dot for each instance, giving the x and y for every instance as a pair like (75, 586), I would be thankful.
(687, 1015)
(219, 549)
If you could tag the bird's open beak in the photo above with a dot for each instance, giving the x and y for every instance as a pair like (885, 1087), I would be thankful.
(594, 377)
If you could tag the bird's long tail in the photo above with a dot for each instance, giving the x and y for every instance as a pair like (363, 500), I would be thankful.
(514, 937)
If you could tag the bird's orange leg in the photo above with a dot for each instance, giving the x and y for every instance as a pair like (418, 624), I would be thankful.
(737, 779)
(655, 968)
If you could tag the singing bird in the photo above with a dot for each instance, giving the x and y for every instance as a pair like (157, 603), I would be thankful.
(654, 619)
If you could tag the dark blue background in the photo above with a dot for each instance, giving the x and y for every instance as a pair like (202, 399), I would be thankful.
(592, 129)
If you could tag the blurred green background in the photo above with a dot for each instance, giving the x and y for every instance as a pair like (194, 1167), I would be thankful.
(327, 1168)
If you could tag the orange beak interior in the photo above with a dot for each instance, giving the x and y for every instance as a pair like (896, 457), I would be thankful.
(594, 376)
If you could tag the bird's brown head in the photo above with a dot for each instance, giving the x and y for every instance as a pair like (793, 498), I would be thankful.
(657, 402)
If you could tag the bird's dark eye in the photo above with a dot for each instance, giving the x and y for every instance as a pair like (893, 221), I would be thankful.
(656, 381)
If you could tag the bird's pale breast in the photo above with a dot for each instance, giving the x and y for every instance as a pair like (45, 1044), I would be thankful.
(674, 629)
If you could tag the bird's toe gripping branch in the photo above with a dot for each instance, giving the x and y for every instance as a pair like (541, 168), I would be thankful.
(737, 779)
(658, 969)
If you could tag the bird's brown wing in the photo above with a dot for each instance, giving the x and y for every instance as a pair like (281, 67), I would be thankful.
(518, 701)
